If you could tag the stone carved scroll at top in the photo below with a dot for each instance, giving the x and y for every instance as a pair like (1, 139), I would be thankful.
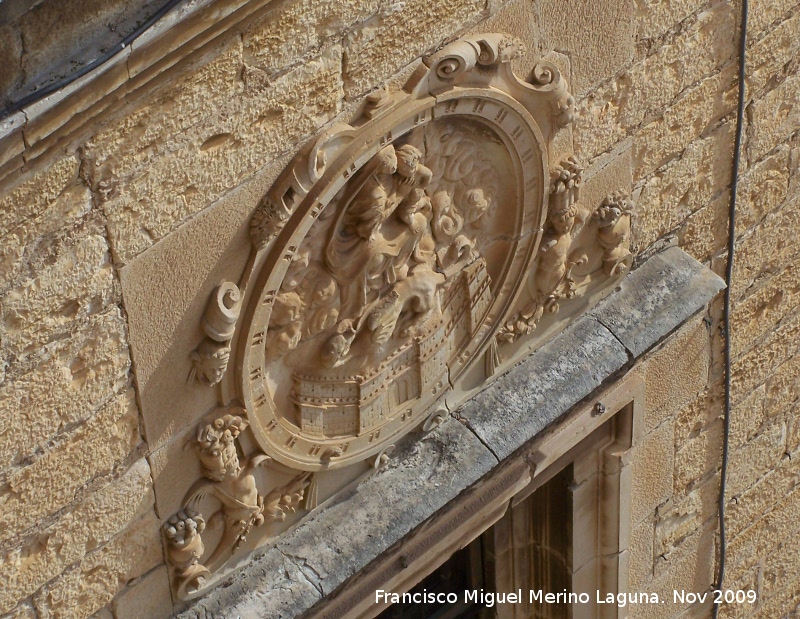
(210, 359)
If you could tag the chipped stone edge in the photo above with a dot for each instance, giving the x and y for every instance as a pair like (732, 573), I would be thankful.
(637, 321)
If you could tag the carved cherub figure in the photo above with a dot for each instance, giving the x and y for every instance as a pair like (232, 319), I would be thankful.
(233, 484)
(231, 481)
(285, 325)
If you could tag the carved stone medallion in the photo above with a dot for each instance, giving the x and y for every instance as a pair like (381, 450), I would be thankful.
(395, 265)
(401, 243)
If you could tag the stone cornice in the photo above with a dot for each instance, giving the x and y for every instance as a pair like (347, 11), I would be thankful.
(29, 138)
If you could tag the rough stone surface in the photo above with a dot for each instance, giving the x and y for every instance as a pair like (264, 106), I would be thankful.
(380, 46)
(762, 189)
(332, 545)
(764, 534)
(768, 248)
(657, 17)
(653, 86)
(704, 232)
(72, 284)
(72, 379)
(752, 504)
(295, 31)
(748, 463)
(682, 516)
(92, 523)
(168, 173)
(693, 417)
(543, 386)
(92, 583)
(669, 195)
(32, 197)
(770, 58)
(774, 118)
(697, 457)
(23, 611)
(664, 292)
(755, 367)
(54, 478)
(696, 111)
(28, 246)
(764, 306)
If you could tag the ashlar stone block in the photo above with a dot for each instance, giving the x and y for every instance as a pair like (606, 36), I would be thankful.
(148, 597)
(756, 366)
(30, 198)
(644, 90)
(774, 117)
(760, 536)
(53, 480)
(94, 581)
(72, 379)
(385, 43)
(166, 185)
(676, 373)
(652, 478)
(79, 532)
(768, 248)
(597, 52)
(297, 30)
(696, 111)
(668, 196)
(76, 283)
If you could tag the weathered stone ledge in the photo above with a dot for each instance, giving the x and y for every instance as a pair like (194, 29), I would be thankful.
(327, 549)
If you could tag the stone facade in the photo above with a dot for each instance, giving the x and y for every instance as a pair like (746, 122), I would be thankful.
(125, 199)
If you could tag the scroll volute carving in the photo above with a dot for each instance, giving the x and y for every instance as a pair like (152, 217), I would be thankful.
(210, 359)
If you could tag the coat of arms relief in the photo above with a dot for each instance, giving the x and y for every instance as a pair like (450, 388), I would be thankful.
(398, 264)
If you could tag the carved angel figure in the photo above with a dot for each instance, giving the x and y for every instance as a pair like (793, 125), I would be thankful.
(232, 482)
(565, 218)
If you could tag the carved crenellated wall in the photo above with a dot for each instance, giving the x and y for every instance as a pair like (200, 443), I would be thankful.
(370, 194)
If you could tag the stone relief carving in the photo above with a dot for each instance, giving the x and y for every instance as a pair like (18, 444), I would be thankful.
(210, 359)
(561, 252)
(230, 481)
(395, 264)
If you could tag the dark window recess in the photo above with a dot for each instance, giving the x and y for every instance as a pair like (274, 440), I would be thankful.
(461, 572)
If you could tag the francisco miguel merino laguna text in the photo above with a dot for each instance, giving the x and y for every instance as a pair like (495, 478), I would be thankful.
(490, 598)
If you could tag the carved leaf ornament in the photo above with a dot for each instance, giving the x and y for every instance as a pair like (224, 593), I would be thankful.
(397, 257)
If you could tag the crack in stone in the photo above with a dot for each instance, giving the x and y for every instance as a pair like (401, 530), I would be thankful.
(306, 570)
